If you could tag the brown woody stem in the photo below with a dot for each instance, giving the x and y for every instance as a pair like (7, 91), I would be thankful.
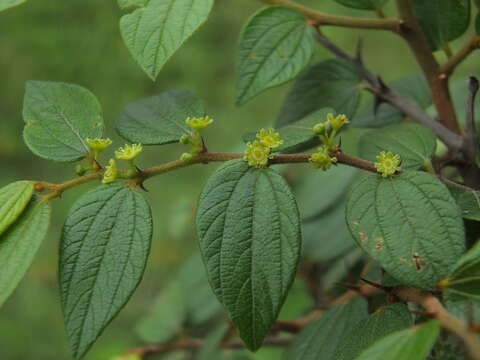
(319, 18)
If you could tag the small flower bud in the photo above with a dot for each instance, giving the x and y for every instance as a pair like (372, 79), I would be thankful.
(337, 122)
(186, 157)
(80, 170)
(185, 139)
(111, 172)
(320, 129)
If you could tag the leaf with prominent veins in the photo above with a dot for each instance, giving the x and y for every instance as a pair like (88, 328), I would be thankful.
(155, 32)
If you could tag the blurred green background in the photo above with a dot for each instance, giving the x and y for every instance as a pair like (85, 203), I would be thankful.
(78, 41)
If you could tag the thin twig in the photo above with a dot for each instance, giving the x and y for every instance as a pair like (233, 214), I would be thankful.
(318, 18)
(471, 135)
(391, 96)
(470, 46)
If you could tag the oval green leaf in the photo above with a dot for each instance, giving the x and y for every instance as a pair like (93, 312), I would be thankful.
(104, 248)
(321, 338)
(160, 119)
(415, 144)
(469, 203)
(275, 46)
(383, 322)
(249, 233)
(409, 344)
(363, 4)
(19, 244)
(442, 20)
(465, 275)
(155, 32)
(328, 84)
(59, 117)
(13, 200)
(408, 223)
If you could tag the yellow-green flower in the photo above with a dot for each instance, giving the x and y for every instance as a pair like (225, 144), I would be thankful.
(199, 124)
(98, 144)
(322, 159)
(338, 121)
(129, 152)
(111, 172)
(257, 154)
(387, 163)
(269, 138)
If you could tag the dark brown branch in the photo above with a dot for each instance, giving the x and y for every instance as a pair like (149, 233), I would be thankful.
(389, 95)
(471, 135)
(411, 31)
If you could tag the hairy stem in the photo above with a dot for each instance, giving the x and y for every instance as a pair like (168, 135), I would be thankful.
(319, 18)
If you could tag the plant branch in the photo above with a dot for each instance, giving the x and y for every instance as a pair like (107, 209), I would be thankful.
(389, 95)
(56, 190)
(471, 135)
(471, 45)
(318, 18)
(449, 322)
(411, 31)
(191, 344)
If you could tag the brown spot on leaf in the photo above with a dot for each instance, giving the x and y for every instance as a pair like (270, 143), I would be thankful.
(363, 237)
(378, 243)
(419, 261)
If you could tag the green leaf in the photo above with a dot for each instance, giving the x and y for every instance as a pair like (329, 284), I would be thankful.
(131, 4)
(414, 143)
(326, 237)
(414, 87)
(469, 203)
(13, 200)
(408, 223)
(104, 248)
(330, 83)
(167, 316)
(159, 119)
(465, 275)
(59, 117)
(155, 32)
(19, 244)
(318, 191)
(321, 338)
(442, 20)
(275, 46)
(7, 4)
(249, 232)
(383, 322)
(409, 344)
(363, 4)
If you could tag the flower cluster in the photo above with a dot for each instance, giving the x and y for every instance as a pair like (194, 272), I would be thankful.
(195, 138)
(258, 152)
(322, 159)
(329, 129)
(387, 163)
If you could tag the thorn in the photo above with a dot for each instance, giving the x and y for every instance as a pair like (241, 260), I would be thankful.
(359, 51)
(99, 166)
(383, 87)
(142, 186)
(350, 286)
(473, 84)
(378, 286)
